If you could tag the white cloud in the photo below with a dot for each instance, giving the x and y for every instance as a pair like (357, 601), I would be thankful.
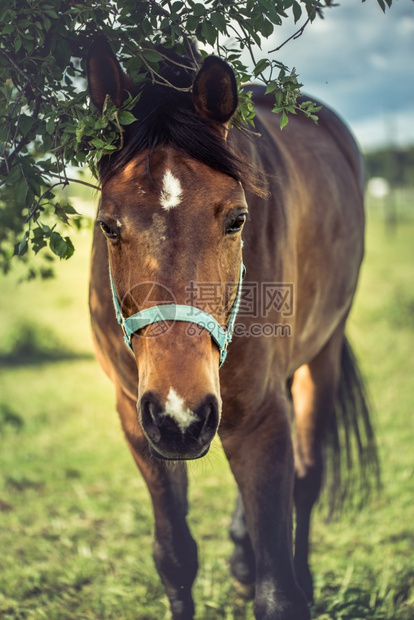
(393, 129)
(378, 61)
(360, 62)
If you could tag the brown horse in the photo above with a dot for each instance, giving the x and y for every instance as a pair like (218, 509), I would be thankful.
(174, 206)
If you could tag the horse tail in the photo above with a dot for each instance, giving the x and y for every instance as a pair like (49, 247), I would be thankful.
(353, 469)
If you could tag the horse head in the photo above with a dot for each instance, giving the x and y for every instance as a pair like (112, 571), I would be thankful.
(172, 211)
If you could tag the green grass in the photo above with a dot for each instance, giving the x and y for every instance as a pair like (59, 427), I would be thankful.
(75, 517)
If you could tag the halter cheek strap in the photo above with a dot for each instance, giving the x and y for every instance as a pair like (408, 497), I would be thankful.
(179, 312)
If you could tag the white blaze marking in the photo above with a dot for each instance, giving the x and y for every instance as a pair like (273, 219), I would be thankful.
(175, 408)
(171, 191)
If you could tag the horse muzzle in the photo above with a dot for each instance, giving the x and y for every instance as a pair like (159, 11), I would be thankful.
(175, 431)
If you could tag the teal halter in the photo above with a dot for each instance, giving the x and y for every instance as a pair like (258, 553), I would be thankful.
(179, 312)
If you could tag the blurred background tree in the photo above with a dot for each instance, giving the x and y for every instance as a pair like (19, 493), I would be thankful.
(396, 165)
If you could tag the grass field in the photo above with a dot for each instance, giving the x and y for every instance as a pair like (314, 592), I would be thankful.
(75, 517)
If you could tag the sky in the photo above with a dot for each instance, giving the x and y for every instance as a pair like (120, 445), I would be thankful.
(360, 62)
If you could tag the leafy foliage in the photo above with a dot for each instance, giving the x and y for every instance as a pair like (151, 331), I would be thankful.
(46, 125)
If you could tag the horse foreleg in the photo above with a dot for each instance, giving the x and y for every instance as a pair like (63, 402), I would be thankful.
(313, 391)
(260, 454)
(242, 560)
(175, 551)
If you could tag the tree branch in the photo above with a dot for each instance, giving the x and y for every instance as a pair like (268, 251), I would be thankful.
(70, 180)
(37, 205)
(26, 79)
(299, 33)
(8, 161)
(296, 35)
(61, 181)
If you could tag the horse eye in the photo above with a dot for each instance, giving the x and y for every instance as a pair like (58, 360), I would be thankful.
(107, 231)
(237, 224)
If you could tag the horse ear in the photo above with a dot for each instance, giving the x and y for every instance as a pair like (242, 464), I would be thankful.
(105, 75)
(215, 90)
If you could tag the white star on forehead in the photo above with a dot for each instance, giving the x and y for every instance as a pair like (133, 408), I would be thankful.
(171, 191)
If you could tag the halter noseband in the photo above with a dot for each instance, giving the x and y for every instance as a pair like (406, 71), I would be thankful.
(179, 312)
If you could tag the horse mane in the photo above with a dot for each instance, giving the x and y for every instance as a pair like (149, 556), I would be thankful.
(167, 116)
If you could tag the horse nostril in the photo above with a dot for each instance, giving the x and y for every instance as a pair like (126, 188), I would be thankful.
(153, 410)
(208, 412)
(150, 416)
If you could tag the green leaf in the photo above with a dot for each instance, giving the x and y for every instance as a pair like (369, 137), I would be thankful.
(62, 247)
(38, 244)
(261, 65)
(14, 175)
(20, 192)
(100, 144)
(3, 14)
(151, 56)
(252, 31)
(267, 28)
(9, 29)
(21, 248)
(192, 23)
(283, 120)
(17, 44)
(271, 87)
(219, 21)
(28, 45)
(38, 232)
(126, 118)
(50, 125)
(70, 249)
(46, 229)
(199, 10)
(297, 11)
(61, 214)
(25, 124)
(70, 210)
(209, 33)
(34, 185)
